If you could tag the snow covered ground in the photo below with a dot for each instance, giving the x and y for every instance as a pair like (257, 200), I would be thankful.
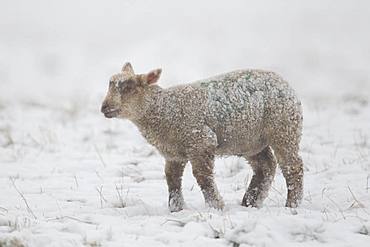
(70, 177)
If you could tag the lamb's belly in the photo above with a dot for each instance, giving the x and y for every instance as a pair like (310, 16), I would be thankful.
(240, 144)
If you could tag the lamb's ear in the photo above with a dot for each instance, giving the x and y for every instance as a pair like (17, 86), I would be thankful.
(127, 68)
(153, 76)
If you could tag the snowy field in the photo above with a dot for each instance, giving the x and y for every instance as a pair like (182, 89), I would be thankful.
(70, 177)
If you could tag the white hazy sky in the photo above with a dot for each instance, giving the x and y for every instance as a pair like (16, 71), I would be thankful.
(56, 47)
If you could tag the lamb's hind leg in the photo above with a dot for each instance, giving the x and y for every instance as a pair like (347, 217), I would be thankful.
(291, 166)
(264, 166)
(284, 130)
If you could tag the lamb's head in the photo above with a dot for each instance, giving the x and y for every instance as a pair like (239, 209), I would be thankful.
(125, 92)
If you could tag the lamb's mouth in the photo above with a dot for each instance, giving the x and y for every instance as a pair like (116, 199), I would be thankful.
(111, 113)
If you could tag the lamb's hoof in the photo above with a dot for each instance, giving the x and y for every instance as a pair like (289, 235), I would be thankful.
(176, 203)
(291, 204)
(250, 201)
(175, 209)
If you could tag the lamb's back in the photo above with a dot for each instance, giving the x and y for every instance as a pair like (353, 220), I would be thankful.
(236, 106)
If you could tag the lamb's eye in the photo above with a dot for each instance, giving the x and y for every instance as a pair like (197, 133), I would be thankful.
(125, 88)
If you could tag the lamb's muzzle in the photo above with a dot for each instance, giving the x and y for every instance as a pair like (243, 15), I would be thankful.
(108, 111)
(254, 114)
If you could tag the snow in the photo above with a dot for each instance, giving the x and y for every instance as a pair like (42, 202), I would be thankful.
(70, 177)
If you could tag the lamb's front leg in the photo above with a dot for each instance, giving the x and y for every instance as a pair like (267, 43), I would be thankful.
(203, 172)
(174, 171)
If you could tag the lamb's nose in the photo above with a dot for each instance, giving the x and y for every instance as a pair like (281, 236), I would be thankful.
(104, 107)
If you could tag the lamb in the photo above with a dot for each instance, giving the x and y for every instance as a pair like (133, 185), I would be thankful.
(254, 114)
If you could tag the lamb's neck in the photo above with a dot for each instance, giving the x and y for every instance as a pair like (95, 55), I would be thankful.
(149, 108)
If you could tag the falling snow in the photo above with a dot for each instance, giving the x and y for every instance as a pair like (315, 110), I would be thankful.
(70, 177)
